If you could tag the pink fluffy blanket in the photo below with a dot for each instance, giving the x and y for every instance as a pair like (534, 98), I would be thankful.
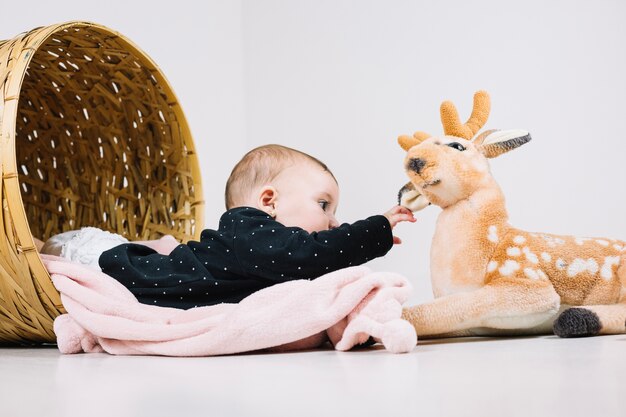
(345, 307)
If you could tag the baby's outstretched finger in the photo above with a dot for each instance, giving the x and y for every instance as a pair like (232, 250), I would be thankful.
(405, 218)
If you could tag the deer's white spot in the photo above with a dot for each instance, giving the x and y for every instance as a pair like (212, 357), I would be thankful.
(579, 266)
(552, 241)
(513, 251)
(618, 247)
(518, 240)
(508, 268)
(491, 266)
(602, 242)
(531, 273)
(561, 264)
(530, 255)
(581, 240)
(493, 234)
(607, 269)
(546, 256)
(542, 274)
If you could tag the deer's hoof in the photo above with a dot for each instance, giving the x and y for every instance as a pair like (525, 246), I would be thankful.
(577, 322)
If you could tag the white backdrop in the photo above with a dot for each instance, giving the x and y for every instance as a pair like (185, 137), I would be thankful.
(196, 44)
(342, 79)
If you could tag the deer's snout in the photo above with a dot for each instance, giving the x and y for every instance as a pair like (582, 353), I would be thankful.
(416, 164)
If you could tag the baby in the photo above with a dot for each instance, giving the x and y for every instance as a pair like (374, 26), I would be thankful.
(279, 226)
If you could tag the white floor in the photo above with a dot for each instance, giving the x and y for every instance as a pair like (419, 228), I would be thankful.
(541, 376)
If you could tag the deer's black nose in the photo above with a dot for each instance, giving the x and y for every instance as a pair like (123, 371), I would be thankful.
(416, 164)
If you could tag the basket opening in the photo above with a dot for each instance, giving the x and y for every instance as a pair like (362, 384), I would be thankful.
(99, 141)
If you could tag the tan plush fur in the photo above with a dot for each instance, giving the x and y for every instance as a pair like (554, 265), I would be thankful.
(489, 277)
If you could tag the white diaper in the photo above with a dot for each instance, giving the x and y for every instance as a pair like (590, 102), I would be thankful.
(83, 246)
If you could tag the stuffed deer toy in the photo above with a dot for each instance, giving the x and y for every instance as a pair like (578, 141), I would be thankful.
(488, 277)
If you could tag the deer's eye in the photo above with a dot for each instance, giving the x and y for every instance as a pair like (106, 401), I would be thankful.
(457, 146)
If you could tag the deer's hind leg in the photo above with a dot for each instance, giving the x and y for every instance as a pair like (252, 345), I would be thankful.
(592, 320)
(505, 303)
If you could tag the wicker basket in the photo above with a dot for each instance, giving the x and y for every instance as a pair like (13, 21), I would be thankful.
(91, 135)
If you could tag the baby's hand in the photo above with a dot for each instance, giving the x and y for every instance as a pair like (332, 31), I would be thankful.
(399, 214)
(396, 215)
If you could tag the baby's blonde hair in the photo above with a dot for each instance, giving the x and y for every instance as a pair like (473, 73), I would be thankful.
(260, 166)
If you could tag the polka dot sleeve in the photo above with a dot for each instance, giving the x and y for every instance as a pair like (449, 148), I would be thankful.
(267, 249)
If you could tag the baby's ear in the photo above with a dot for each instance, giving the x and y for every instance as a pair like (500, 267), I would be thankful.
(492, 143)
(267, 199)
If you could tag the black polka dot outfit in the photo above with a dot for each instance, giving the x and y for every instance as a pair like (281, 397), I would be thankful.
(248, 252)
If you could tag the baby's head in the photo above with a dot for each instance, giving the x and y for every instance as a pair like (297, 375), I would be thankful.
(291, 186)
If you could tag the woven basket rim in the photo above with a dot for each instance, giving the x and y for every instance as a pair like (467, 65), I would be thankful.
(9, 116)
(37, 38)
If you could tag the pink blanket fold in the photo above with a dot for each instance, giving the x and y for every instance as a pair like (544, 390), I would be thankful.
(345, 307)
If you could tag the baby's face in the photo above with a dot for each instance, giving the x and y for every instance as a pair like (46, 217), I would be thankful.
(307, 197)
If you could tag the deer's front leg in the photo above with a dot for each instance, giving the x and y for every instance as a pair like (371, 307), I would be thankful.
(506, 303)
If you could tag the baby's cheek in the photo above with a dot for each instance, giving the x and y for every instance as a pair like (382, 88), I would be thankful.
(317, 224)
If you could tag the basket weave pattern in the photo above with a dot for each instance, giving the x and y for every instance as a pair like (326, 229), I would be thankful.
(91, 135)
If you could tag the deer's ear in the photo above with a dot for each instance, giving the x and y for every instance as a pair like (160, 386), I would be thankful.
(410, 198)
(494, 143)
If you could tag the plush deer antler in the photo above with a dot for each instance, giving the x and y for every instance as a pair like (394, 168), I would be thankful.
(407, 142)
(488, 277)
(452, 126)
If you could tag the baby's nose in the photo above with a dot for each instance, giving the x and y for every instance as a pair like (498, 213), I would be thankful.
(333, 223)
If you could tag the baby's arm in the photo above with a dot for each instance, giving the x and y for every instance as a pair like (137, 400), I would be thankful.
(267, 249)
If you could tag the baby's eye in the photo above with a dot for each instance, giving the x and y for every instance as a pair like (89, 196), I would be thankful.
(323, 204)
